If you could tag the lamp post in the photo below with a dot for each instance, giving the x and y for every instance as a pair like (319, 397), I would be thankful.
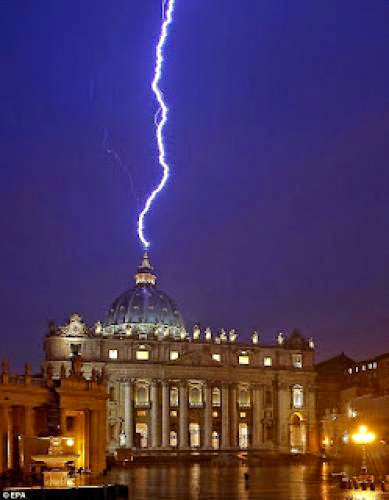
(363, 437)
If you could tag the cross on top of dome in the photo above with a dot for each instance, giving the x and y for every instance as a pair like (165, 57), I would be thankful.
(145, 274)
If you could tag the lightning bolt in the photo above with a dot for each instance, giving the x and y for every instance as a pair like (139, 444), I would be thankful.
(160, 117)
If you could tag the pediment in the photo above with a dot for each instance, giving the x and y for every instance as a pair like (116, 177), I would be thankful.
(195, 358)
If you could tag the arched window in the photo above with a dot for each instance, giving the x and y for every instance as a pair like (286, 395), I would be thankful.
(174, 396)
(298, 396)
(173, 439)
(244, 398)
(216, 396)
(195, 397)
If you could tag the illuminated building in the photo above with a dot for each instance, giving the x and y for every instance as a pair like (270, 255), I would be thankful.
(350, 394)
(33, 408)
(170, 389)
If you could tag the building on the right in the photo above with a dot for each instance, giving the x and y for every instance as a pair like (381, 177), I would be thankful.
(351, 393)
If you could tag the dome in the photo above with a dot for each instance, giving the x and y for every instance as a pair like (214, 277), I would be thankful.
(144, 304)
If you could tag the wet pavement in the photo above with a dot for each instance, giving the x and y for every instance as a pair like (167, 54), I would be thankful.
(198, 481)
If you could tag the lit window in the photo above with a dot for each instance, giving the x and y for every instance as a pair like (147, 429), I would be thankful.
(350, 370)
(356, 369)
(370, 366)
(215, 396)
(244, 359)
(298, 396)
(173, 413)
(214, 414)
(363, 368)
(374, 365)
(297, 360)
(173, 439)
(195, 396)
(174, 355)
(216, 357)
(141, 413)
(173, 396)
(244, 397)
(242, 414)
(142, 355)
(267, 361)
(113, 354)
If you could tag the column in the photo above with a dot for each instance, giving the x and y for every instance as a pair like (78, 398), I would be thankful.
(257, 416)
(225, 417)
(29, 421)
(183, 415)
(234, 417)
(3, 439)
(129, 413)
(283, 409)
(165, 414)
(154, 414)
(207, 421)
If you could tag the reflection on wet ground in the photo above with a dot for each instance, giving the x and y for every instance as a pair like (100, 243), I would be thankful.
(198, 481)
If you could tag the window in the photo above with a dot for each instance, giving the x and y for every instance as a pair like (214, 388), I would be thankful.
(142, 355)
(112, 432)
(267, 361)
(242, 414)
(216, 357)
(374, 365)
(195, 396)
(112, 393)
(363, 368)
(297, 360)
(214, 414)
(173, 439)
(244, 398)
(70, 424)
(298, 396)
(174, 355)
(141, 413)
(268, 398)
(142, 396)
(216, 396)
(350, 370)
(173, 413)
(370, 366)
(75, 349)
(244, 359)
(173, 396)
(113, 354)
(356, 369)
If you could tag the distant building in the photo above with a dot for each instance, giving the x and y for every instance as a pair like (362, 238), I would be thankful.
(351, 393)
(34, 408)
(172, 390)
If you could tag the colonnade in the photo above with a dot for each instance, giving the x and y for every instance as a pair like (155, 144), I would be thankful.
(160, 420)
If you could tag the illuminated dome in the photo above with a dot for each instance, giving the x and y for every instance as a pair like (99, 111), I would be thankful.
(144, 307)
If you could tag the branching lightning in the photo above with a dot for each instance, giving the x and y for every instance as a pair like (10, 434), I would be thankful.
(160, 117)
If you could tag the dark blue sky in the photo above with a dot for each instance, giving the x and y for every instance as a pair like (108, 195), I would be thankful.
(277, 211)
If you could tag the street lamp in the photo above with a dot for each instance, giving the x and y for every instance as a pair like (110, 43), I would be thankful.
(363, 437)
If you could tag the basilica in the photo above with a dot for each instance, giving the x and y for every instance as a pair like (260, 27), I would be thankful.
(171, 389)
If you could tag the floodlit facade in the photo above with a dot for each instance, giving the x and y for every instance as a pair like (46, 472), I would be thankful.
(169, 389)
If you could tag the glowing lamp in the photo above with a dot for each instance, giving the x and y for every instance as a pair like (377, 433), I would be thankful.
(70, 442)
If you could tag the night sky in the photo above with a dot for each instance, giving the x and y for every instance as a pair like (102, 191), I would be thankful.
(276, 214)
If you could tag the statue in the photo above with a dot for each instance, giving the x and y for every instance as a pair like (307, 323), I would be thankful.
(98, 328)
(52, 328)
(76, 365)
(208, 334)
(232, 335)
(255, 337)
(280, 338)
(196, 332)
(223, 335)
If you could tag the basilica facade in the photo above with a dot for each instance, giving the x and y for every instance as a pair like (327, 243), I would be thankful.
(169, 389)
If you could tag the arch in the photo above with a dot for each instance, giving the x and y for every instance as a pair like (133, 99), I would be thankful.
(243, 435)
(141, 430)
(215, 440)
(173, 441)
(297, 433)
(194, 435)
